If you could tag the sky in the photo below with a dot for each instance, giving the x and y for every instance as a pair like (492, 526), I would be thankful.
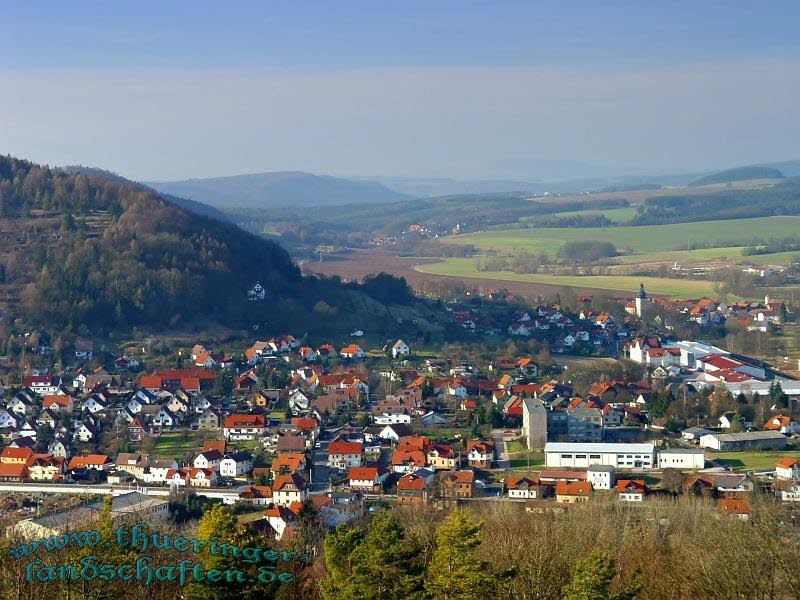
(171, 90)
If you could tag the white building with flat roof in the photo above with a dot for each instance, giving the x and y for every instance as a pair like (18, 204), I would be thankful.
(582, 456)
(682, 458)
(602, 477)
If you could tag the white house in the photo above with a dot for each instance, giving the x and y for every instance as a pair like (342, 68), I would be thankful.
(343, 454)
(289, 488)
(236, 464)
(208, 459)
(157, 469)
(400, 349)
(367, 479)
(630, 490)
(392, 418)
(602, 477)
(682, 458)
(202, 477)
(787, 468)
(279, 518)
(522, 488)
(164, 418)
(256, 293)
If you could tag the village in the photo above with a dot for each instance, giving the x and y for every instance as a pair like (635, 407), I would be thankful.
(354, 428)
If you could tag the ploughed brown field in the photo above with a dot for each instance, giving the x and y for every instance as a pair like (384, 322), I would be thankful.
(355, 265)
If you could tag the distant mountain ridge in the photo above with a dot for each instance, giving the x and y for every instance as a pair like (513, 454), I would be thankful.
(279, 189)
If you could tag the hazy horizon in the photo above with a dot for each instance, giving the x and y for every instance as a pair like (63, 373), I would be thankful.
(461, 90)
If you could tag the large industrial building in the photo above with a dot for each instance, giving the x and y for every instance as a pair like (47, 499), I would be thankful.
(746, 440)
(583, 455)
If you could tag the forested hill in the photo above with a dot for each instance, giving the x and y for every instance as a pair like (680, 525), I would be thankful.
(738, 174)
(191, 205)
(94, 251)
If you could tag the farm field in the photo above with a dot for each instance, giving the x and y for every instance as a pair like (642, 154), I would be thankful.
(753, 460)
(678, 288)
(642, 239)
(618, 215)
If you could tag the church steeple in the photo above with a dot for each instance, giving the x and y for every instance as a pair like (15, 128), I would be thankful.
(641, 299)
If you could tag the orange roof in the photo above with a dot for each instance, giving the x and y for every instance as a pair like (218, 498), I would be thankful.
(80, 462)
(735, 506)
(13, 470)
(304, 423)
(218, 445)
(239, 421)
(401, 456)
(630, 485)
(9, 452)
(573, 488)
(350, 349)
(288, 460)
(363, 473)
(413, 442)
(787, 462)
(777, 422)
(150, 381)
(410, 482)
(61, 400)
(514, 481)
(462, 476)
(344, 447)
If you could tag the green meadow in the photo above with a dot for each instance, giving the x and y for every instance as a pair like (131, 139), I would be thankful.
(676, 288)
(727, 236)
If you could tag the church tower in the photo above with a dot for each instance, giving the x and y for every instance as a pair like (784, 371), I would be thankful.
(641, 299)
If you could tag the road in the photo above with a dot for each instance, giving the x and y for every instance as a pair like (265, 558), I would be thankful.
(320, 472)
(502, 461)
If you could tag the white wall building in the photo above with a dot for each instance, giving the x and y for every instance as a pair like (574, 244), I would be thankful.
(583, 455)
(602, 477)
(682, 458)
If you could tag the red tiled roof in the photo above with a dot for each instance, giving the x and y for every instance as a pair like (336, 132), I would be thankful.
(573, 488)
(247, 421)
(344, 447)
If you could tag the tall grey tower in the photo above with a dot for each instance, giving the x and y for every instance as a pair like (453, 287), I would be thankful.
(641, 299)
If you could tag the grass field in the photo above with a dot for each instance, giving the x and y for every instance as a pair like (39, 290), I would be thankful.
(618, 215)
(175, 445)
(678, 288)
(646, 238)
(752, 460)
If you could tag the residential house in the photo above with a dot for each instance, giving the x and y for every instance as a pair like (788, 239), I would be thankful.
(289, 488)
(400, 349)
(630, 490)
(209, 419)
(458, 484)
(480, 453)
(352, 351)
(286, 463)
(158, 468)
(208, 459)
(369, 479)
(281, 519)
(787, 467)
(738, 508)
(44, 467)
(202, 477)
(783, 424)
(165, 418)
(442, 457)
(15, 472)
(244, 427)
(90, 462)
(57, 403)
(343, 454)
(134, 463)
(236, 464)
(522, 488)
(570, 492)
(137, 430)
(602, 477)
(412, 489)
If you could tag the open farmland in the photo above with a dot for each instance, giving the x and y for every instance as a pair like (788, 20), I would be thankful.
(642, 239)
(676, 288)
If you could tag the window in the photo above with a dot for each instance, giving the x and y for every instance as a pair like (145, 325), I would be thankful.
(566, 456)
(580, 456)
(594, 456)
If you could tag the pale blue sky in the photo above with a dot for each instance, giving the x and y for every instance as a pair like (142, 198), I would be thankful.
(159, 90)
